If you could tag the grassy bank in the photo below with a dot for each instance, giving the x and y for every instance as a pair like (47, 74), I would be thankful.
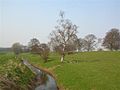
(80, 71)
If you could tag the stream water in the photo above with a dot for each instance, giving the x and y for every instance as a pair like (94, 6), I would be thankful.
(49, 82)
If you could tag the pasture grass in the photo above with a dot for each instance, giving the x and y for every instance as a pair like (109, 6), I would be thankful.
(80, 71)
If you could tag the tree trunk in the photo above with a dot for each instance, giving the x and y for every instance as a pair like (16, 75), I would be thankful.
(111, 47)
(63, 53)
(62, 58)
(77, 50)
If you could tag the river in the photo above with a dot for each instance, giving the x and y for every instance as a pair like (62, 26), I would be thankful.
(45, 81)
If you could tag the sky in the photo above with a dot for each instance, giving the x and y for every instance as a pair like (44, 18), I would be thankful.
(22, 20)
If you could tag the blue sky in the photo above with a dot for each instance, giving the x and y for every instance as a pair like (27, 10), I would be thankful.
(21, 20)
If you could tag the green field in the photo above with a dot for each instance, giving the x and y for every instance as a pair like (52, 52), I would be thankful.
(80, 71)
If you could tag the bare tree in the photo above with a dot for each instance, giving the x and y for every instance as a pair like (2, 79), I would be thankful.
(40, 49)
(112, 39)
(64, 35)
(79, 44)
(90, 42)
(17, 48)
(44, 51)
(34, 46)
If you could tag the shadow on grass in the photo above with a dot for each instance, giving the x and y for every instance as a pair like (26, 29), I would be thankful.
(50, 60)
(79, 61)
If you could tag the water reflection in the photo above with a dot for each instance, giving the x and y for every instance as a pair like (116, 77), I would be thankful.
(44, 81)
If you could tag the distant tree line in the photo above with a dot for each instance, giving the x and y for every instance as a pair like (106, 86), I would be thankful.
(5, 49)
(33, 47)
(64, 40)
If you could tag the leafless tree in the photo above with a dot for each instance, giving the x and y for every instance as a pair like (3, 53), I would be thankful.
(64, 34)
(17, 48)
(44, 50)
(79, 44)
(34, 46)
(112, 39)
(40, 49)
(90, 42)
